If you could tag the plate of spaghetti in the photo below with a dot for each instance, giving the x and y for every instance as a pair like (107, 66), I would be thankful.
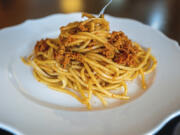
(98, 75)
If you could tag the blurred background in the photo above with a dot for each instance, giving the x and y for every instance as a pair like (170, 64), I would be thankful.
(159, 14)
(163, 15)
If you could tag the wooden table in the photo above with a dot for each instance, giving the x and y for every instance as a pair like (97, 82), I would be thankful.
(163, 15)
(159, 14)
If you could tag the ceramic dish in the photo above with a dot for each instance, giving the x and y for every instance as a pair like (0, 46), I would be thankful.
(28, 107)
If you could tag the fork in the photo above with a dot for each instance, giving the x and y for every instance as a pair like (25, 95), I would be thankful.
(104, 8)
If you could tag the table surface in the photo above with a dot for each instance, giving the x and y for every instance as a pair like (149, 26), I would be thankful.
(159, 14)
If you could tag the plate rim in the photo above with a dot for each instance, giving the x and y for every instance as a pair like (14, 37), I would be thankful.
(175, 43)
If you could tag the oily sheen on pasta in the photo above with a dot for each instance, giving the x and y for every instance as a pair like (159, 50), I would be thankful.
(87, 60)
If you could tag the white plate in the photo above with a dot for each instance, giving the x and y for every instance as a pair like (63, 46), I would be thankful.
(27, 107)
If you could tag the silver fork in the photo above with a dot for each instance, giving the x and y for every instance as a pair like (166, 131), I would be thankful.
(104, 8)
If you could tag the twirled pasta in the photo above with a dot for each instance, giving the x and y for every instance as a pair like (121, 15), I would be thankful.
(90, 60)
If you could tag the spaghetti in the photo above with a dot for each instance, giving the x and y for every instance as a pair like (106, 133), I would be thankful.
(86, 60)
